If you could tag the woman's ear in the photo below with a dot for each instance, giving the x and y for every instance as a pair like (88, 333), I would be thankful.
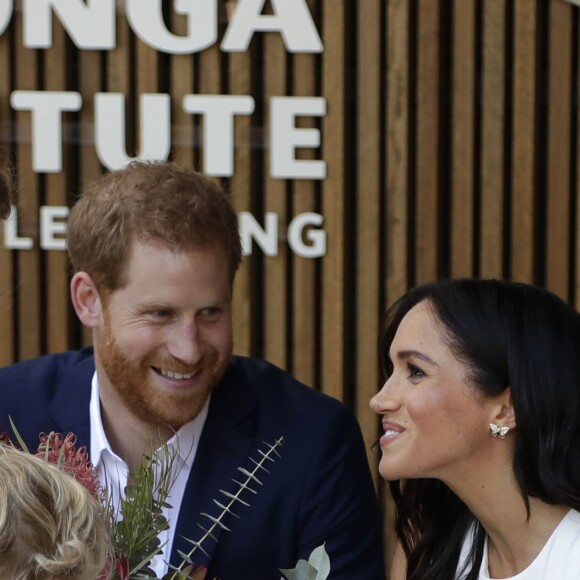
(503, 410)
(86, 300)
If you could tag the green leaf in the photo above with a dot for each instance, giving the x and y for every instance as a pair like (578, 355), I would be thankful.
(317, 567)
(319, 559)
(17, 435)
(303, 571)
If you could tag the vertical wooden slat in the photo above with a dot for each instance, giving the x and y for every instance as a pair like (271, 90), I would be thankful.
(209, 84)
(276, 280)
(427, 148)
(181, 84)
(397, 181)
(304, 296)
(368, 218)
(332, 363)
(29, 282)
(119, 70)
(119, 66)
(6, 255)
(57, 287)
(397, 152)
(240, 79)
(559, 135)
(90, 74)
(462, 135)
(146, 67)
(492, 146)
(523, 142)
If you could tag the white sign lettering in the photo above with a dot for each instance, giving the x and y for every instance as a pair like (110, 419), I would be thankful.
(47, 108)
(5, 15)
(285, 137)
(267, 237)
(53, 230)
(91, 24)
(218, 128)
(291, 19)
(146, 19)
(11, 239)
(155, 128)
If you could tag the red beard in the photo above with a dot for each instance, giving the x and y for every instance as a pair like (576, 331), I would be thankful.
(132, 382)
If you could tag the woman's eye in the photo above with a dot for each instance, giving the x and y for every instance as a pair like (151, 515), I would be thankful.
(415, 372)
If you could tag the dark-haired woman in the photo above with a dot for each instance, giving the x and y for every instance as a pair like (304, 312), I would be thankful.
(481, 432)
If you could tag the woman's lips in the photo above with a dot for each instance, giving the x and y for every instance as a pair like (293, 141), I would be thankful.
(391, 432)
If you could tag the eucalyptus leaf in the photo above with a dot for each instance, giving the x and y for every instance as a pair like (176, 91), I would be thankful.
(303, 571)
(319, 559)
(317, 567)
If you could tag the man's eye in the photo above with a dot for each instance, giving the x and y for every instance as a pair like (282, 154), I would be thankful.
(210, 312)
(160, 313)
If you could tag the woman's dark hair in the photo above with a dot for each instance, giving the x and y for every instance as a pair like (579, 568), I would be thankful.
(508, 335)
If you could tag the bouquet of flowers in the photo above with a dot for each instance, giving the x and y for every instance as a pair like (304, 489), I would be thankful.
(136, 523)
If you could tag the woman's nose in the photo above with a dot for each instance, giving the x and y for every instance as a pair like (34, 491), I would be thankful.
(386, 399)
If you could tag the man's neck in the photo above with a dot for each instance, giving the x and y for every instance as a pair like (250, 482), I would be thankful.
(128, 437)
(131, 440)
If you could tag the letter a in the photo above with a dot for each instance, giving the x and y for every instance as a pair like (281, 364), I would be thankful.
(292, 19)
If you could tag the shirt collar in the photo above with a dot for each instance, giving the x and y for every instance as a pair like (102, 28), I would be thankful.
(185, 440)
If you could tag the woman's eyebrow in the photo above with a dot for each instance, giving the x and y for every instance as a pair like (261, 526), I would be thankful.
(405, 354)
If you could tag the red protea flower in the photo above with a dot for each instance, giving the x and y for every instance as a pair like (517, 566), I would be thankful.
(5, 438)
(117, 568)
(62, 451)
(121, 568)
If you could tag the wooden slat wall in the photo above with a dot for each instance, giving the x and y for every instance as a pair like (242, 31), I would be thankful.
(332, 362)
(7, 327)
(55, 193)
(523, 151)
(559, 114)
(451, 139)
(462, 183)
(304, 295)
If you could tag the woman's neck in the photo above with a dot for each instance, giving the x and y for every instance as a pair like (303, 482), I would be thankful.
(513, 548)
(493, 496)
(514, 540)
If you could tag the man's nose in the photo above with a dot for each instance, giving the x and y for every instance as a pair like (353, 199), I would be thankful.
(185, 342)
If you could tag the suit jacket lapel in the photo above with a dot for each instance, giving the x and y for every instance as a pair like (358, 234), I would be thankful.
(69, 408)
(226, 442)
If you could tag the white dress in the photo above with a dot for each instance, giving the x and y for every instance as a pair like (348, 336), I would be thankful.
(559, 559)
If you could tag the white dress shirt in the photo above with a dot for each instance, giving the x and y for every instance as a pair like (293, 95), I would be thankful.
(113, 471)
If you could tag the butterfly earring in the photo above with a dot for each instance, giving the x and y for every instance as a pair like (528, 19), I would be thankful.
(497, 431)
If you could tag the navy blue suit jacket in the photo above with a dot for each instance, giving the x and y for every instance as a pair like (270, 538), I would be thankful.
(319, 490)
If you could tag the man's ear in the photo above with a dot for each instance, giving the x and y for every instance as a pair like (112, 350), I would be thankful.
(86, 300)
(503, 411)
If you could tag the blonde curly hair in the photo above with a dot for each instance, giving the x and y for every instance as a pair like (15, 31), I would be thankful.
(50, 526)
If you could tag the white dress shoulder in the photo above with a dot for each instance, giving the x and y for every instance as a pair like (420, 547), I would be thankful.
(559, 559)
